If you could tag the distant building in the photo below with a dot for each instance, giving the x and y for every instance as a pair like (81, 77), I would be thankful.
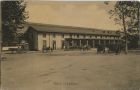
(60, 37)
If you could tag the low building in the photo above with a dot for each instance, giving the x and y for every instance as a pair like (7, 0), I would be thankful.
(62, 37)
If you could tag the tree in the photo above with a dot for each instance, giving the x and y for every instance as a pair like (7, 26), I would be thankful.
(126, 14)
(13, 18)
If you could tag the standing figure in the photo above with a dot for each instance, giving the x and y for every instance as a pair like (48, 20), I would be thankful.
(44, 48)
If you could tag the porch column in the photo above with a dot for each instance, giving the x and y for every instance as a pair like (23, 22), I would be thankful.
(87, 42)
(72, 43)
(114, 42)
(119, 41)
(66, 44)
(49, 41)
(93, 43)
(69, 44)
(104, 43)
(80, 43)
(99, 42)
(109, 42)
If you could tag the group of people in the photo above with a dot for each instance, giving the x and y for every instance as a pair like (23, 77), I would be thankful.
(85, 47)
(112, 48)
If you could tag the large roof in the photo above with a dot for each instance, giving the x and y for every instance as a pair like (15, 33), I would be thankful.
(68, 29)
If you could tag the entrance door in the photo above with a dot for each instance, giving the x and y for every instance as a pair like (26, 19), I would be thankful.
(63, 44)
(44, 43)
(54, 44)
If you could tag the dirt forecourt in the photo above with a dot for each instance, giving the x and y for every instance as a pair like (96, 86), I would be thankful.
(70, 71)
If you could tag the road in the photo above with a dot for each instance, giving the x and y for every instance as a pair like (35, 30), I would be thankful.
(70, 71)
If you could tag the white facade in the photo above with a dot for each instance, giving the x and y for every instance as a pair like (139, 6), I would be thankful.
(59, 38)
(65, 37)
(50, 38)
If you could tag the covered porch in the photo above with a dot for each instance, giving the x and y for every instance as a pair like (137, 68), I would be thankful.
(92, 43)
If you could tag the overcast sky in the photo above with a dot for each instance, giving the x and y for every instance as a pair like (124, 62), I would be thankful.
(81, 14)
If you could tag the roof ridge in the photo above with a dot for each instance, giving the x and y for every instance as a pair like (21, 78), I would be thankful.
(63, 26)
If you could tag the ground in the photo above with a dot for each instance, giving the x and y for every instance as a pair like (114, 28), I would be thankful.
(70, 70)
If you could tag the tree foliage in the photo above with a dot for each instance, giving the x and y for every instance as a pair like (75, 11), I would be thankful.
(13, 17)
(126, 14)
(127, 11)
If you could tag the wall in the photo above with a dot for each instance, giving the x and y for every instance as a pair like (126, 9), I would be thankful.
(49, 39)
(35, 40)
(58, 38)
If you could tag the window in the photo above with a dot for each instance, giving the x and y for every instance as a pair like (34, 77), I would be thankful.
(70, 35)
(44, 35)
(95, 36)
(54, 44)
(63, 44)
(62, 35)
(44, 43)
(77, 36)
(109, 32)
(90, 36)
(84, 36)
(54, 35)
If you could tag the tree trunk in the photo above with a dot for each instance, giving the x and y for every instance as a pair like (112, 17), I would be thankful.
(138, 27)
(0, 32)
(0, 40)
(124, 27)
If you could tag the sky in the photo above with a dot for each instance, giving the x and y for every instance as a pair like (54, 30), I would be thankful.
(80, 14)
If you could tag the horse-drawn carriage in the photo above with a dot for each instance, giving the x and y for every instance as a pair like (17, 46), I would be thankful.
(85, 47)
(112, 48)
(82, 48)
(22, 48)
(15, 47)
(46, 49)
(100, 49)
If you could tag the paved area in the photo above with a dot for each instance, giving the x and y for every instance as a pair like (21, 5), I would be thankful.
(70, 70)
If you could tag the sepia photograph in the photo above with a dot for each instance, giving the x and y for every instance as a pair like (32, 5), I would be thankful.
(69, 45)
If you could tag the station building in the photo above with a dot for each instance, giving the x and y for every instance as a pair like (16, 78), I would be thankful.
(61, 37)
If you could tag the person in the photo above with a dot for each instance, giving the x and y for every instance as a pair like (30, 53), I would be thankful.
(51, 49)
(19, 49)
(103, 48)
(22, 47)
(106, 49)
(43, 48)
(117, 49)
